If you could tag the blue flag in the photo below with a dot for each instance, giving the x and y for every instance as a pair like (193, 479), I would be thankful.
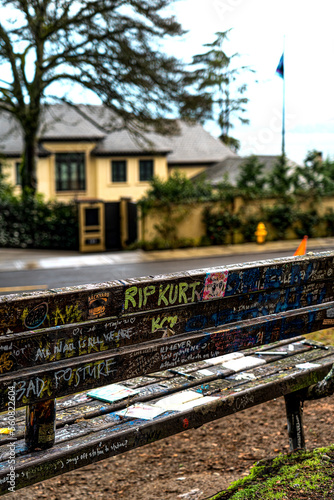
(280, 67)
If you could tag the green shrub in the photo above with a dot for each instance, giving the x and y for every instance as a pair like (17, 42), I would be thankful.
(30, 222)
(249, 227)
(328, 218)
(176, 189)
(220, 225)
(281, 218)
(306, 223)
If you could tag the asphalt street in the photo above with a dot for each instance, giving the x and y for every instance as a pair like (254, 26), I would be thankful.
(24, 270)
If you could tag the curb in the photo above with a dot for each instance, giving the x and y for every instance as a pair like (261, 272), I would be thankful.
(28, 260)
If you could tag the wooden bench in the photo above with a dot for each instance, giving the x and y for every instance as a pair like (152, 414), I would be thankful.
(194, 346)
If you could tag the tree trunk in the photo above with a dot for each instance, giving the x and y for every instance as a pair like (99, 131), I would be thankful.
(28, 168)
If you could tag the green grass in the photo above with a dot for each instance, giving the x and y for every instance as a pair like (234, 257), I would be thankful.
(306, 474)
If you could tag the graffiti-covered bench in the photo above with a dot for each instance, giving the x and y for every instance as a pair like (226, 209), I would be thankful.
(134, 361)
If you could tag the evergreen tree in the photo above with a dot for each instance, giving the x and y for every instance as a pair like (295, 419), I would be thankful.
(316, 176)
(218, 75)
(251, 180)
(280, 179)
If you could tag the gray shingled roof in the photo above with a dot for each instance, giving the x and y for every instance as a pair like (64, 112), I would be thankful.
(194, 144)
(231, 167)
(66, 122)
(89, 123)
(11, 142)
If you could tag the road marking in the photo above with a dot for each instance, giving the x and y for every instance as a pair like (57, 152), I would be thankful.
(23, 288)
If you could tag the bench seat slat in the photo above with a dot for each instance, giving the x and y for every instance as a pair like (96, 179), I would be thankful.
(80, 405)
(226, 381)
(94, 408)
(117, 439)
(73, 375)
(221, 378)
(169, 336)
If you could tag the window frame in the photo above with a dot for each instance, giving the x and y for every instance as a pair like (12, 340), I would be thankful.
(68, 161)
(143, 169)
(18, 177)
(115, 163)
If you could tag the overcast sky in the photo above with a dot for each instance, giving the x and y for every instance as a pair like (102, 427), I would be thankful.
(259, 27)
(258, 31)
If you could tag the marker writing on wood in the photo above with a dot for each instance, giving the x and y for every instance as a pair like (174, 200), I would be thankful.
(175, 372)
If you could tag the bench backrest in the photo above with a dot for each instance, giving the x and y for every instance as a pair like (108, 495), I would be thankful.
(66, 340)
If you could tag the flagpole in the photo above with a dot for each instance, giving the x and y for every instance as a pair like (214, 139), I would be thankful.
(283, 111)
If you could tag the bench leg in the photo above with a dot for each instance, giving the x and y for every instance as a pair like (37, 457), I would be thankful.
(40, 425)
(294, 413)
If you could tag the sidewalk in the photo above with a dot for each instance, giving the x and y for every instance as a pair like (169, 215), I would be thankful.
(16, 259)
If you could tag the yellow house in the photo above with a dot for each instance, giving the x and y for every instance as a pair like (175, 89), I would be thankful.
(78, 158)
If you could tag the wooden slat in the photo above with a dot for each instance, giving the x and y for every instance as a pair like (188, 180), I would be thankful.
(112, 299)
(117, 439)
(72, 375)
(64, 342)
(86, 422)
(88, 408)
(82, 406)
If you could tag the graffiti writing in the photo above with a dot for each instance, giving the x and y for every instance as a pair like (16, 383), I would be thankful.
(5, 362)
(165, 295)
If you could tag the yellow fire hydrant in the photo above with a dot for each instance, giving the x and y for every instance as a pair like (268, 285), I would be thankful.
(261, 233)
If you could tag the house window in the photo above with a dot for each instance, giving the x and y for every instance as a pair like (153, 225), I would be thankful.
(70, 172)
(18, 178)
(118, 171)
(145, 170)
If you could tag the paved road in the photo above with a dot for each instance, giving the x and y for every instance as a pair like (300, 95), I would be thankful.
(41, 279)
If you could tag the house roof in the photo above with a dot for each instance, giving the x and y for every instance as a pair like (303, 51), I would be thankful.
(63, 123)
(195, 145)
(11, 142)
(230, 166)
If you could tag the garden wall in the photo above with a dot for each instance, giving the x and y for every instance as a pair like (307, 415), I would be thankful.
(186, 224)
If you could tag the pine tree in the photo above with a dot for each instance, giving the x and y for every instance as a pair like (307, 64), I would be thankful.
(251, 179)
(280, 180)
(316, 176)
(218, 75)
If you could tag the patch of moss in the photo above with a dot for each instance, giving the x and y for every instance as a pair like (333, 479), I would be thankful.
(324, 336)
(286, 477)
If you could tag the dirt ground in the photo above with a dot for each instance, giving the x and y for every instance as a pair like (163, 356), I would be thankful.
(192, 465)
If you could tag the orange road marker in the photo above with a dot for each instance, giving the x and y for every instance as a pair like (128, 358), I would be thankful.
(301, 250)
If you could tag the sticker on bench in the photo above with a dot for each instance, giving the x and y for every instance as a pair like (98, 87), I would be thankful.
(197, 402)
(225, 357)
(205, 372)
(184, 401)
(215, 285)
(176, 400)
(145, 412)
(306, 366)
(112, 393)
(240, 364)
(242, 376)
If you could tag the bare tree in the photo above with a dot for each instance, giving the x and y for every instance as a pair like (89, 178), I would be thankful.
(109, 47)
